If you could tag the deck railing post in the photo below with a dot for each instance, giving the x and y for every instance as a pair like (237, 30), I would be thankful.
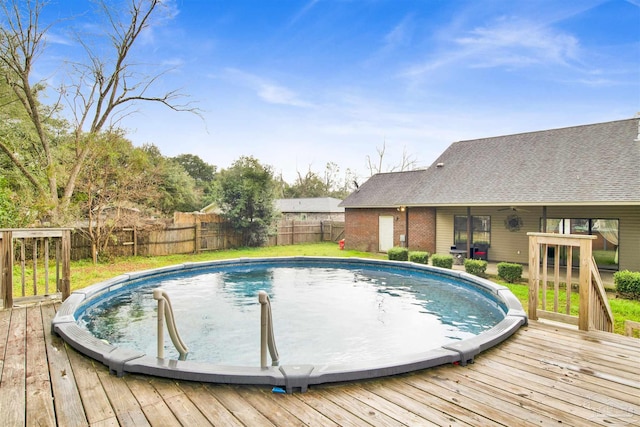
(585, 285)
(6, 255)
(34, 259)
(65, 249)
(534, 274)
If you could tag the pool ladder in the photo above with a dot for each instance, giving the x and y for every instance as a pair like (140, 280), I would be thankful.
(165, 311)
(267, 339)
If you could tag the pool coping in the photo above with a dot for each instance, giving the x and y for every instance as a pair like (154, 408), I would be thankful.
(292, 377)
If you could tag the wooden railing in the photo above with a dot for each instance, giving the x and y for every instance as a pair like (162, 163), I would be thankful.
(594, 311)
(39, 241)
(631, 328)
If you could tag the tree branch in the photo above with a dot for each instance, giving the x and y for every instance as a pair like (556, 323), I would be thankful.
(27, 174)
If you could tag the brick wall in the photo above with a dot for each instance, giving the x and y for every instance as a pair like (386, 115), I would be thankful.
(361, 228)
(422, 229)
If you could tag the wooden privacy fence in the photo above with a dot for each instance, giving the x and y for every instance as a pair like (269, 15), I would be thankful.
(295, 232)
(35, 245)
(175, 239)
(202, 236)
(213, 236)
(594, 311)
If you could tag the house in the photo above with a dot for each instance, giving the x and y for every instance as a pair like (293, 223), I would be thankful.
(488, 193)
(311, 209)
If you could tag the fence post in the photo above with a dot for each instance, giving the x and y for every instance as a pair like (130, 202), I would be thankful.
(6, 255)
(135, 241)
(198, 237)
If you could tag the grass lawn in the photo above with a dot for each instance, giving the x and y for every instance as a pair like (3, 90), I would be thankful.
(85, 273)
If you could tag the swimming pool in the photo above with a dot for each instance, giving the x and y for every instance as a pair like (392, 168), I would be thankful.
(413, 317)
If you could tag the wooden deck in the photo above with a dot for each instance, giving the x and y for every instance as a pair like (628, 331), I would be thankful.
(544, 375)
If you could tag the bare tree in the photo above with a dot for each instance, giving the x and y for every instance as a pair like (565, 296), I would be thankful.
(407, 162)
(101, 92)
(377, 168)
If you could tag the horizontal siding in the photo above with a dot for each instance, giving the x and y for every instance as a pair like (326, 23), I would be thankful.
(505, 245)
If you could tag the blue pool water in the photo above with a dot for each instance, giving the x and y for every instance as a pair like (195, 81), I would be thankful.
(321, 314)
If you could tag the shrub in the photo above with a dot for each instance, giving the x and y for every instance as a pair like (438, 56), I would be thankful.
(509, 272)
(477, 267)
(398, 254)
(419, 257)
(627, 284)
(443, 261)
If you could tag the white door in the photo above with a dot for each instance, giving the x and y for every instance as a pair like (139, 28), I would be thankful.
(385, 233)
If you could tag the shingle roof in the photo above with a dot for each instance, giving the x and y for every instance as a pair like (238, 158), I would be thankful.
(314, 204)
(589, 164)
(386, 189)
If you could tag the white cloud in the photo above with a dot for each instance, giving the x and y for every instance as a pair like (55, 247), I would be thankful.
(507, 43)
(303, 11)
(518, 43)
(54, 38)
(400, 34)
(173, 62)
(268, 91)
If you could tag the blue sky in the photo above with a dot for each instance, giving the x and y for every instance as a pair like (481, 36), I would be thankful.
(298, 84)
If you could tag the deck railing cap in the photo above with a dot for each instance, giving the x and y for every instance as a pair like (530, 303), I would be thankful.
(21, 233)
(558, 235)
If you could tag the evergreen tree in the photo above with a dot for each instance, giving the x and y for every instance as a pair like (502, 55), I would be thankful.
(245, 195)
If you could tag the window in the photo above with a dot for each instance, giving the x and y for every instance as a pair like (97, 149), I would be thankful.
(605, 247)
(480, 229)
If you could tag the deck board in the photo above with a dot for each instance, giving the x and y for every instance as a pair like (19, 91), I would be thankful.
(421, 404)
(5, 318)
(215, 412)
(543, 375)
(150, 401)
(12, 390)
(69, 408)
(39, 399)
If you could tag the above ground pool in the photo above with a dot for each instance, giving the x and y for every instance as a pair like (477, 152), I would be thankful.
(334, 319)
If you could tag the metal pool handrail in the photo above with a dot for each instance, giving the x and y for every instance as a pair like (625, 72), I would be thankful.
(266, 332)
(166, 311)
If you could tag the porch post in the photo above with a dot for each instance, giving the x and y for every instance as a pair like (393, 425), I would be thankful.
(469, 235)
(406, 227)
